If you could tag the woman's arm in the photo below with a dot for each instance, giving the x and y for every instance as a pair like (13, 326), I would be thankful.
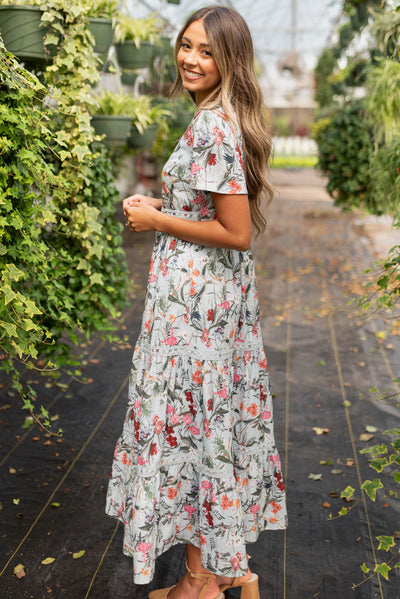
(231, 229)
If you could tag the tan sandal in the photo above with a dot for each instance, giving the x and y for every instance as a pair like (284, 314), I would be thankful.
(163, 593)
(250, 588)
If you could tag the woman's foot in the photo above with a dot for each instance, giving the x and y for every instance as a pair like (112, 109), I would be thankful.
(190, 588)
(220, 580)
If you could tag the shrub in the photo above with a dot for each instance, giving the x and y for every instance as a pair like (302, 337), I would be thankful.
(345, 147)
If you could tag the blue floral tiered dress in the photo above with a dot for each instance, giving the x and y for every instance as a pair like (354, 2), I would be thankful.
(196, 462)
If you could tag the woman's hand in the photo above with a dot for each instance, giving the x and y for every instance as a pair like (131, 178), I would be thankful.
(141, 216)
(139, 198)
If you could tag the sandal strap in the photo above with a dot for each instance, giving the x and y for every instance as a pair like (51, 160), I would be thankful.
(206, 577)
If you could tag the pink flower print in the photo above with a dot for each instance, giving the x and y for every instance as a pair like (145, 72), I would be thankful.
(199, 199)
(213, 497)
(223, 392)
(171, 340)
(266, 415)
(194, 430)
(218, 136)
(170, 409)
(206, 485)
(172, 244)
(246, 357)
(144, 548)
(187, 419)
(207, 429)
(193, 170)
(205, 338)
(211, 160)
(254, 509)
(235, 563)
(236, 377)
(225, 305)
(164, 266)
(141, 461)
(158, 425)
(137, 404)
(275, 460)
(120, 510)
(188, 137)
(190, 510)
(175, 418)
(204, 211)
(153, 278)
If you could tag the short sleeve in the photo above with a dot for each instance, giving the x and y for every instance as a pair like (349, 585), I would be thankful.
(217, 163)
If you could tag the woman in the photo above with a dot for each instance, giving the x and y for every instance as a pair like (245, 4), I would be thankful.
(196, 462)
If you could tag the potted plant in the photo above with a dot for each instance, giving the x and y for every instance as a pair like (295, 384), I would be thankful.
(148, 119)
(113, 117)
(101, 16)
(134, 41)
(23, 30)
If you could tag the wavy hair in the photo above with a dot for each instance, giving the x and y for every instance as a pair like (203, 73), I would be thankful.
(237, 93)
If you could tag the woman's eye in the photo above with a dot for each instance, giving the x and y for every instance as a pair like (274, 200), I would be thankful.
(184, 45)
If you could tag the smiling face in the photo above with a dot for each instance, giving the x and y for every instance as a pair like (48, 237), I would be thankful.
(196, 64)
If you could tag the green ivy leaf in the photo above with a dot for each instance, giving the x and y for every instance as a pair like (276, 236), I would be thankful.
(385, 543)
(371, 487)
(383, 569)
(365, 568)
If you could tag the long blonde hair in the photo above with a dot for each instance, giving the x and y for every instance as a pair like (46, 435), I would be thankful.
(237, 93)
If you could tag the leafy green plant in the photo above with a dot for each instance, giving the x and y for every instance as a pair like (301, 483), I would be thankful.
(137, 30)
(61, 262)
(345, 147)
(386, 29)
(143, 110)
(383, 84)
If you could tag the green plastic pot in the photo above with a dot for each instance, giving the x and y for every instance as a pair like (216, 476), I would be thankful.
(21, 32)
(114, 127)
(131, 57)
(129, 77)
(103, 33)
(182, 119)
(142, 141)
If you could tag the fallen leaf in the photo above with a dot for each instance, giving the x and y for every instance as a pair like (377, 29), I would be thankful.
(19, 571)
(48, 560)
(334, 494)
(16, 501)
(79, 554)
(35, 438)
(336, 471)
(361, 364)
(320, 431)
(315, 476)
(350, 463)
(55, 417)
(371, 429)
(55, 504)
(12, 470)
(321, 363)
(326, 504)
(365, 437)
(346, 403)
(326, 463)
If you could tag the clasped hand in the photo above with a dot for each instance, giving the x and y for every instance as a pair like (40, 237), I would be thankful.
(141, 212)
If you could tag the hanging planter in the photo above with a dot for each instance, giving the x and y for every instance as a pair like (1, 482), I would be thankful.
(131, 57)
(103, 33)
(129, 77)
(20, 28)
(142, 141)
(114, 127)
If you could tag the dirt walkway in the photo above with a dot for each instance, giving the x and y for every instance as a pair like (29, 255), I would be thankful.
(323, 359)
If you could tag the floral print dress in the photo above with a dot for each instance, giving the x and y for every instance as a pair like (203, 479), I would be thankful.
(196, 462)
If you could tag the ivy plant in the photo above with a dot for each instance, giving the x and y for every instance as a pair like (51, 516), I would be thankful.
(62, 264)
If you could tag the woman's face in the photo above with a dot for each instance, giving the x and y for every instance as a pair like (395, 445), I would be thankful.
(196, 65)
